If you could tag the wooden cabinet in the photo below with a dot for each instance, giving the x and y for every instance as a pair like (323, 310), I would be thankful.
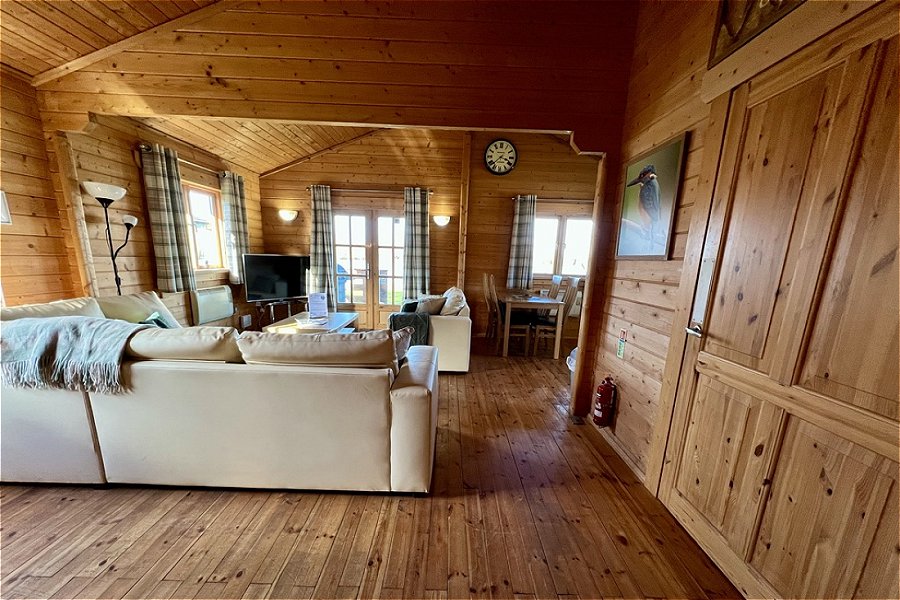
(782, 452)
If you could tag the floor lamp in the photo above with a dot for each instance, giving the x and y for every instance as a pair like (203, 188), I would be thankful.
(106, 194)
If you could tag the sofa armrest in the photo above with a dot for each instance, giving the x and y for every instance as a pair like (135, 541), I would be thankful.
(414, 405)
(453, 336)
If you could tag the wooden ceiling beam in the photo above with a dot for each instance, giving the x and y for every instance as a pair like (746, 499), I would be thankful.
(303, 159)
(129, 42)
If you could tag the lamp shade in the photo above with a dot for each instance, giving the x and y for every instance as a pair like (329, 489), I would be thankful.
(441, 220)
(106, 191)
(129, 221)
(286, 214)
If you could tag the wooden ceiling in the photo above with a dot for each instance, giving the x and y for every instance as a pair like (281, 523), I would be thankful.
(36, 36)
(255, 144)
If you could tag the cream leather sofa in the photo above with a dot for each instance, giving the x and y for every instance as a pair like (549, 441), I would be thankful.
(452, 336)
(366, 427)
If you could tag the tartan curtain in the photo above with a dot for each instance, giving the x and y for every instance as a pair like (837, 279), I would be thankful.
(416, 259)
(234, 217)
(168, 219)
(519, 275)
(321, 269)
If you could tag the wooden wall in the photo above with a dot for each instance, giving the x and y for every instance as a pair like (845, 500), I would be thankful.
(393, 158)
(35, 266)
(440, 64)
(108, 153)
(639, 296)
(389, 159)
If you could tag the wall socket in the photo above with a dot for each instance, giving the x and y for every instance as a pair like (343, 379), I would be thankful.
(246, 321)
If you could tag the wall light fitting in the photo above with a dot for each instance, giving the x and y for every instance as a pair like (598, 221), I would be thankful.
(287, 215)
(441, 220)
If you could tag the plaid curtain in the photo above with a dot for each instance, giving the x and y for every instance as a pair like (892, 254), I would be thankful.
(168, 219)
(321, 270)
(234, 217)
(416, 260)
(519, 275)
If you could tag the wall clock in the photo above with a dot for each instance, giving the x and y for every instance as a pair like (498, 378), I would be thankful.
(500, 157)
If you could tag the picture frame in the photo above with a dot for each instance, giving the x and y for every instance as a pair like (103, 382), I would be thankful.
(739, 21)
(5, 216)
(650, 200)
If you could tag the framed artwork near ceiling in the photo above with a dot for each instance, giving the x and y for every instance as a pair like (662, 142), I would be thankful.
(5, 217)
(739, 21)
(652, 184)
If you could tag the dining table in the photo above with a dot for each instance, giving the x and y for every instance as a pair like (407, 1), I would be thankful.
(528, 300)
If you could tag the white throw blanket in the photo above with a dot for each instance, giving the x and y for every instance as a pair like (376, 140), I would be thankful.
(71, 353)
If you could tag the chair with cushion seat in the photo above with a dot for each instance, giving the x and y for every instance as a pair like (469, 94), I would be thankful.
(553, 292)
(545, 327)
(519, 326)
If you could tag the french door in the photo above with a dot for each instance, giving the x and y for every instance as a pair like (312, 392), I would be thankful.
(782, 452)
(368, 256)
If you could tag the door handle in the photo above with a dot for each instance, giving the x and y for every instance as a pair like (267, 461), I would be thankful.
(695, 331)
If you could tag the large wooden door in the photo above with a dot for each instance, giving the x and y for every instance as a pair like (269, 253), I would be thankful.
(782, 453)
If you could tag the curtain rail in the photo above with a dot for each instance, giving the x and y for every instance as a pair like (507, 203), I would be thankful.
(381, 191)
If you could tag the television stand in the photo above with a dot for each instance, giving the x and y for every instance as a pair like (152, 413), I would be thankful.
(262, 305)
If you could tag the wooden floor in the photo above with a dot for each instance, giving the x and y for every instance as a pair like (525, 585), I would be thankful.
(525, 505)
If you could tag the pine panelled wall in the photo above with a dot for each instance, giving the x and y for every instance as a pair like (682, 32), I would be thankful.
(663, 101)
(35, 264)
(393, 158)
(108, 153)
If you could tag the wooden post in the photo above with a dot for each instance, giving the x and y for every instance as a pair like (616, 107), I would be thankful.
(580, 403)
(465, 176)
(71, 191)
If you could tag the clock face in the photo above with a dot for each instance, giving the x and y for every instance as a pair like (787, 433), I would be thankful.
(500, 157)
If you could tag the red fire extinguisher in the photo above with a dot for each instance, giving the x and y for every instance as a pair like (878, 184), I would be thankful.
(605, 403)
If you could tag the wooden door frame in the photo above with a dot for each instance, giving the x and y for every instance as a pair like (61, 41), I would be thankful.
(873, 25)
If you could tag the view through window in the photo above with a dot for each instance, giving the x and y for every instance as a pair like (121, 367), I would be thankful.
(561, 245)
(205, 217)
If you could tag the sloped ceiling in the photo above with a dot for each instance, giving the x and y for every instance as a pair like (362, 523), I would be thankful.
(38, 35)
(532, 66)
(255, 144)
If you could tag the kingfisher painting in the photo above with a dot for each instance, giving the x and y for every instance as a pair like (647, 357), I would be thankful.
(648, 206)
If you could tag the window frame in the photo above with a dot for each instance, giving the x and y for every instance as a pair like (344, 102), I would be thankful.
(562, 218)
(187, 186)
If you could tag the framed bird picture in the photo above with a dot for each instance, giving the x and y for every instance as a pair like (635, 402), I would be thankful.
(652, 184)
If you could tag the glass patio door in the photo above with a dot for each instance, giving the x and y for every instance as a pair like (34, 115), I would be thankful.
(368, 254)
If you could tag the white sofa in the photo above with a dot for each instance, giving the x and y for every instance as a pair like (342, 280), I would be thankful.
(452, 336)
(217, 423)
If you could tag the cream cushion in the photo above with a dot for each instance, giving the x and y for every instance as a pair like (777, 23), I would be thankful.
(431, 305)
(135, 308)
(361, 349)
(402, 340)
(185, 343)
(76, 307)
(456, 299)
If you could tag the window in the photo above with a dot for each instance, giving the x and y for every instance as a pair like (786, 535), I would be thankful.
(391, 237)
(561, 245)
(205, 221)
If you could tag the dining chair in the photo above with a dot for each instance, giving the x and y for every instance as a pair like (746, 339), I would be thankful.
(546, 327)
(520, 326)
(493, 326)
(553, 292)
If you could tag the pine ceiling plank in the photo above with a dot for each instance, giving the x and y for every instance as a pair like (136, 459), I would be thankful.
(128, 42)
(319, 153)
(153, 12)
(53, 12)
(24, 19)
(26, 45)
(78, 12)
(21, 61)
(104, 11)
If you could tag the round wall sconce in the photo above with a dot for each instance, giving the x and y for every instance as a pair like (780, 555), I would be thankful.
(441, 220)
(287, 215)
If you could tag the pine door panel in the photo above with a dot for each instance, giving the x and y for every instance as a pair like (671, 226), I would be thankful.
(827, 501)
(853, 349)
(729, 447)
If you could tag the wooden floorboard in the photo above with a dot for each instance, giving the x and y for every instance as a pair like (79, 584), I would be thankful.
(525, 505)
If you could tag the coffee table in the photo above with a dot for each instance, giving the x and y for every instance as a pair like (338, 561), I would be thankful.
(300, 323)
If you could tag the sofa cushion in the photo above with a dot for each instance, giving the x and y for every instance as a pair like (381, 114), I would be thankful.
(135, 308)
(402, 340)
(185, 343)
(431, 305)
(76, 307)
(360, 349)
(456, 299)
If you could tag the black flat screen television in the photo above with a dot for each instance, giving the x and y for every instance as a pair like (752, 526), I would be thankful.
(269, 277)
